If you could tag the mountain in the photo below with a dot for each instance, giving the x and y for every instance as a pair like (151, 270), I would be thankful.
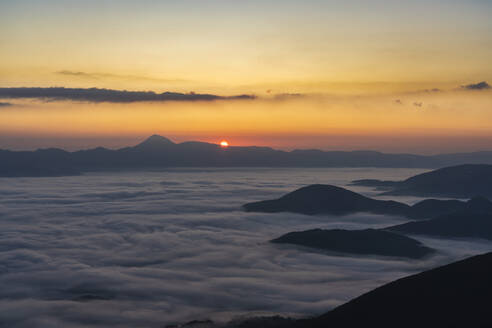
(367, 242)
(454, 295)
(328, 199)
(155, 142)
(430, 208)
(462, 181)
(473, 221)
(159, 152)
(42, 162)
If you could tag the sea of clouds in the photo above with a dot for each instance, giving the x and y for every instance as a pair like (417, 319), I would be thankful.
(149, 249)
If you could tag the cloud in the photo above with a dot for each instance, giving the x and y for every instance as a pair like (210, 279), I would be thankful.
(4, 104)
(418, 104)
(287, 96)
(477, 86)
(96, 76)
(158, 248)
(432, 90)
(109, 95)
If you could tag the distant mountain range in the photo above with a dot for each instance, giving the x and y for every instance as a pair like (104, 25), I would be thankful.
(159, 152)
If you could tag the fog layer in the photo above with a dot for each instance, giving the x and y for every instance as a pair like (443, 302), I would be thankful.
(156, 248)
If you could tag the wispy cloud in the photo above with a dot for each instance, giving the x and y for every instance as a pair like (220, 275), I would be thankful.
(432, 90)
(287, 96)
(97, 76)
(5, 104)
(109, 95)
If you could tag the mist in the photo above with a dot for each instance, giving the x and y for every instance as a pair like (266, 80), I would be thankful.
(157, 248)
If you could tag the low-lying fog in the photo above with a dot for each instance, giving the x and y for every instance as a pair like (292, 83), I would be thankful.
(157, 248)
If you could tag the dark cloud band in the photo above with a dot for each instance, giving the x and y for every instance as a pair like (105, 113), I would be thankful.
(109, 95)
(477, 86)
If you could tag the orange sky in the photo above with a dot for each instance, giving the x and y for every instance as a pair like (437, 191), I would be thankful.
(362, 70)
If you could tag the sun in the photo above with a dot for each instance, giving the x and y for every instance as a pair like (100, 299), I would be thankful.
(224, 144)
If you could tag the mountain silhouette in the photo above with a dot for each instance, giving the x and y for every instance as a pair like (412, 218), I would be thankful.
(368, 242)
(462, 181)
(454, 295)
(430, 208)
(328, 199)
(473, 221)
(158, 152)
(155, 142)
(42, 162)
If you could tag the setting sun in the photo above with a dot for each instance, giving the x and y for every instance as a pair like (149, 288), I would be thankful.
(224, 144)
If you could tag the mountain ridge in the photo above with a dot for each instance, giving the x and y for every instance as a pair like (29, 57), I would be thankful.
(160, 152)
(459, 181)
(358, 242)
(328, 199)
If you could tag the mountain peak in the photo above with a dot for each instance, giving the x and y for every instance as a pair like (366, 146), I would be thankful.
(155, 141)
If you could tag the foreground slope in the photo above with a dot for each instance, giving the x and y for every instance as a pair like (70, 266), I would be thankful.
(454, 295)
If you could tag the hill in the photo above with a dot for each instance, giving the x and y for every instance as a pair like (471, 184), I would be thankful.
(474, 221)
(462, 181)
(328, 199)
(365, 242)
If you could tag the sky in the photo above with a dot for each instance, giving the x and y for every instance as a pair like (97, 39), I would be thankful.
(395, 76)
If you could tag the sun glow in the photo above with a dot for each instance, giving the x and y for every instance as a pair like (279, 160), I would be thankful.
(224, 144)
